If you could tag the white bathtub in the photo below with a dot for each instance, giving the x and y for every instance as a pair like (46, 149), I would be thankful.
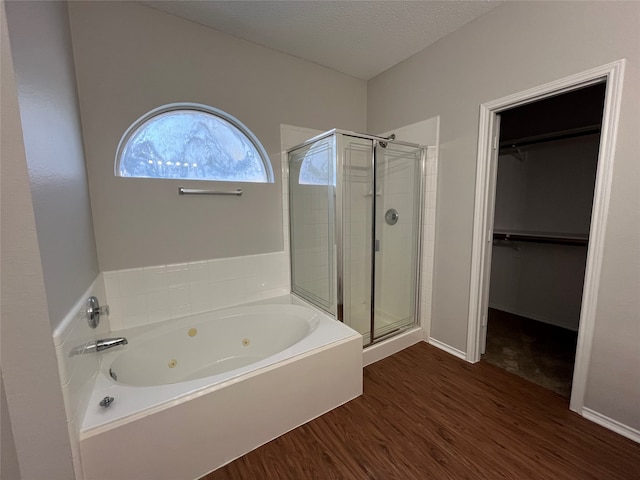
(195, 393)
(215, 345)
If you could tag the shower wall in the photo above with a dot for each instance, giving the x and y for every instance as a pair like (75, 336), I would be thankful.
(311, 245)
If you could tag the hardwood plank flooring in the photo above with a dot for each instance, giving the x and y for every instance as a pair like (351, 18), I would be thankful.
(427, 415)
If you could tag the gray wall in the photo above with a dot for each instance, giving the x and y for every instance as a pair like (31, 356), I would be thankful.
(517, 46)
(130, 59)
(9, 467)
(53, 143)
(29, 366)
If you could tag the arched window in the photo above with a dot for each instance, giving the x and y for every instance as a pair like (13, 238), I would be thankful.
(192, 142)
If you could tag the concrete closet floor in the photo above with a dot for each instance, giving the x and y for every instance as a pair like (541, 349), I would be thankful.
(541, 353)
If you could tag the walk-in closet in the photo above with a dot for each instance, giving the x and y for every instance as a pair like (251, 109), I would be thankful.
(547, 160)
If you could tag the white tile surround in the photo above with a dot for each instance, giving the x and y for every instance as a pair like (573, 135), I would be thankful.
(428, 238)
(78, 371)
(141, 296)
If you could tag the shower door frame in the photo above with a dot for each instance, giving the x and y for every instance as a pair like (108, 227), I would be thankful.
(338, 230)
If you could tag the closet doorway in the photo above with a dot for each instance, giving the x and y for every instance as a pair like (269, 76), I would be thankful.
(545, 179)
(608, 77)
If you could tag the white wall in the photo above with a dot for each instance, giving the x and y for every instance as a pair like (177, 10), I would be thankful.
(550, 189)
(514, 47)
(538, 281)
(29, 372)
(130, 59)
(53, 143)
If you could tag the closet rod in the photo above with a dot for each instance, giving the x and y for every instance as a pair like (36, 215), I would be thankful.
(548, 239)
(563, 135)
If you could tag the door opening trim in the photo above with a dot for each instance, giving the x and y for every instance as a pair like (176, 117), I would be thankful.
(612, 74)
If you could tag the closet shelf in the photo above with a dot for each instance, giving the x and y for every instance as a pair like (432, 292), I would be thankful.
(554, 238)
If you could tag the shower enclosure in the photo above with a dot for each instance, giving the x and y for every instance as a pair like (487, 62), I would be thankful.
(354, 207)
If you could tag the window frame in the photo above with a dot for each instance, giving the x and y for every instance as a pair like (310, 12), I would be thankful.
(198, 107)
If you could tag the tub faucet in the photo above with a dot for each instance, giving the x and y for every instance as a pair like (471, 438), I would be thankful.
(98, 345)
(107, 343)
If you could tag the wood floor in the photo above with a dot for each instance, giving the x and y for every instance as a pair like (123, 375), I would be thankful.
(427, 415)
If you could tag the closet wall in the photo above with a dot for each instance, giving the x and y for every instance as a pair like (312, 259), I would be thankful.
(548, 190)
(545, 189)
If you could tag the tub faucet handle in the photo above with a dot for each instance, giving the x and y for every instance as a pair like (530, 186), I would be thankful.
(94, 310)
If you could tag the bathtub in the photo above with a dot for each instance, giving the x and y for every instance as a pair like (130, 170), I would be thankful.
(194, 393)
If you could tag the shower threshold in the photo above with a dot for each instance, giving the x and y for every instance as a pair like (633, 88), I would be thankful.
(386, 326)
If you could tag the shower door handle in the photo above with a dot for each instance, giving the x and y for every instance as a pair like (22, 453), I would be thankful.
(391, 216)
(377, 246)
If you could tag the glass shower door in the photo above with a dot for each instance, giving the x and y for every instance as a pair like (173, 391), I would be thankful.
(397, 223)
(381, 209)
(356, 160)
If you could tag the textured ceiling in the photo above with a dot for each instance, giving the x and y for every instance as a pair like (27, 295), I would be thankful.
(360, 38)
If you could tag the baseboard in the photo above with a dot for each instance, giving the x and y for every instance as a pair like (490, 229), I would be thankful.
(611, 424)
(393, 345)
(532, 316)
(447, 348)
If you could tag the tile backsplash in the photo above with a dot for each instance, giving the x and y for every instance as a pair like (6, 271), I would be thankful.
(141, 296)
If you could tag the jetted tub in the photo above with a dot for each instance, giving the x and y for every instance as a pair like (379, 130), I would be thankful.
(194, 393)
(213, 345)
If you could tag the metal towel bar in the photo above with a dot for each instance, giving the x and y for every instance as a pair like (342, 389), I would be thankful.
(191, 191)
